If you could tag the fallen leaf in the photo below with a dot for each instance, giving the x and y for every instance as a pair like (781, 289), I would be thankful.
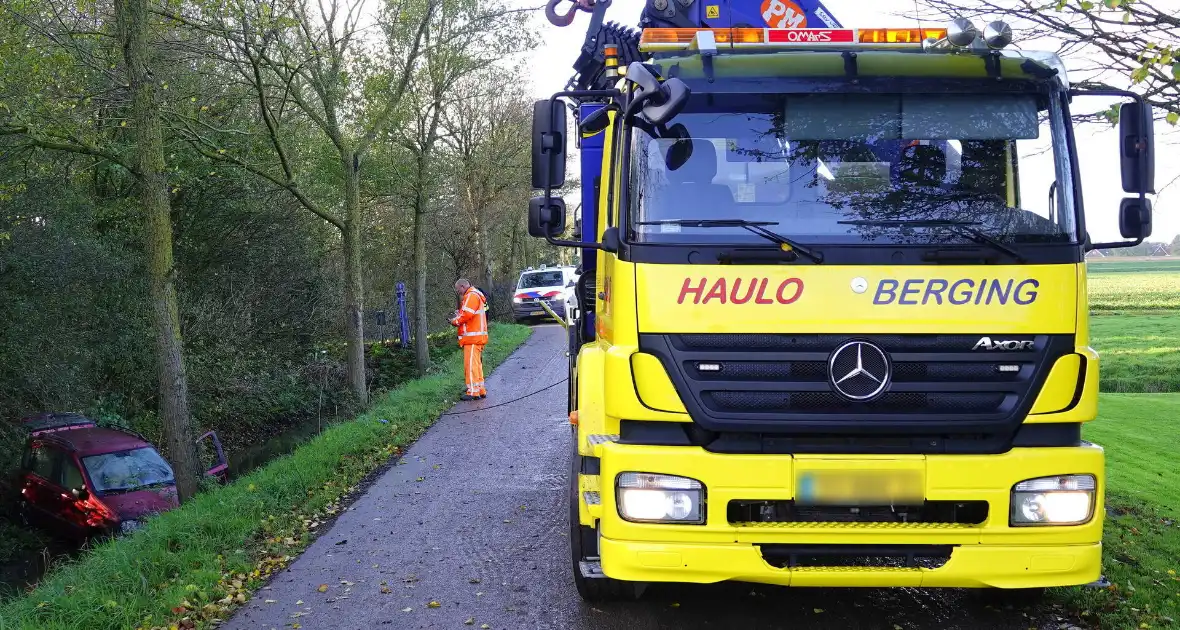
(299, 603)
(407, 609)
(434, 604)
(386, 590)
(817, 610)
(270, 601)
(470, 621)
(474, 580)
(323, 588)
(485, 627)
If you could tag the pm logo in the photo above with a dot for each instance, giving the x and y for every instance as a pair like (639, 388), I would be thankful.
(783, 14)
(986, 343)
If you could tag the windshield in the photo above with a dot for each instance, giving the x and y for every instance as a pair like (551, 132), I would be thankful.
(856, 168)
(124, 471)
(541, 279)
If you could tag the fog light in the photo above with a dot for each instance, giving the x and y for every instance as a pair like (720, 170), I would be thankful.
(652, 498)
(1064, 500)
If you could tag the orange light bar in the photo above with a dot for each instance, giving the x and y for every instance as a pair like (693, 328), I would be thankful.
(656, 39)
(899, 35)
(684, 36)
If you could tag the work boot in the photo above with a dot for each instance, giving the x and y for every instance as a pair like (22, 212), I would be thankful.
(483, 395)
(468, 397)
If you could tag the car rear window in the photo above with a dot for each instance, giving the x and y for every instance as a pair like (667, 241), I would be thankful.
(128, 470)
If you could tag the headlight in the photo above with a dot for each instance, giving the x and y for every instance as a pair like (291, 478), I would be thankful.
(651, 498)
(1064, 500)
(517, 300)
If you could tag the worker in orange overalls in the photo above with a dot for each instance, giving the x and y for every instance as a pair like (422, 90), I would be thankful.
(472, 321)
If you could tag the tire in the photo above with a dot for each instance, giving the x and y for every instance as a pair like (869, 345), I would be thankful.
(584, 544)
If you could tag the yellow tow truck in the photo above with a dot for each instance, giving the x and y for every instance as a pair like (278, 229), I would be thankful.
(836, 329)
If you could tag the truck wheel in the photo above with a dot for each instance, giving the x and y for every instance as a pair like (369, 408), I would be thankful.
(584, 545)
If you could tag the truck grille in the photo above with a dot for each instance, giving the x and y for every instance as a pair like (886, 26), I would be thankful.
(783, 382)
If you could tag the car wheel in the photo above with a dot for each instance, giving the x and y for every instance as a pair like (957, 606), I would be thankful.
(584, 545)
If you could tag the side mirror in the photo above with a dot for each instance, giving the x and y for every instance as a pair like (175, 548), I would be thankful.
(549, 120)
(595, 122)
(546, 217)
(1137, 137)
(658, 102)
(81, 494)
(610, 240)
(1135, 218)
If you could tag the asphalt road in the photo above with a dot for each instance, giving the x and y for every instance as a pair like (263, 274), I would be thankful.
(470, 529)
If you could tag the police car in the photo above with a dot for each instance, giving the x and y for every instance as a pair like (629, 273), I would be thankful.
(552, 286)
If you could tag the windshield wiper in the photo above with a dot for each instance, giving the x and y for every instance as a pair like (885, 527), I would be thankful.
(757, 227)
(966, 226)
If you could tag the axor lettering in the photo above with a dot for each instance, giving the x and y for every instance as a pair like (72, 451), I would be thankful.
(956, 292)
(741, 291)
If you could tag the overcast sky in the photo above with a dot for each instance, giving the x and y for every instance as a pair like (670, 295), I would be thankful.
(551, 68)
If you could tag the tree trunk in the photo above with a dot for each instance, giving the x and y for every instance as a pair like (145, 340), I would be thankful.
(421, 326)
(354, 288)
(483, 242)
(132, 17)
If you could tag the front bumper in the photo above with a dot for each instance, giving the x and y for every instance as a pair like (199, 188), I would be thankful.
(978, 566)
(988, 554)
(524, 311)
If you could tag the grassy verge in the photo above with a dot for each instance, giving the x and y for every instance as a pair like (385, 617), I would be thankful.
(1140, 351)
(1141, 554)
(195, 564)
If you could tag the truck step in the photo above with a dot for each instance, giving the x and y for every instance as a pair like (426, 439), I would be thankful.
(592, 498)
(596, 440)
(591, 568)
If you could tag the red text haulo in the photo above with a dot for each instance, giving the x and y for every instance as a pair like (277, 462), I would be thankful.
(741, 291)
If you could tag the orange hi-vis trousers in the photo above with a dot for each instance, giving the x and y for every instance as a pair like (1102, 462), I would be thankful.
(473, 369)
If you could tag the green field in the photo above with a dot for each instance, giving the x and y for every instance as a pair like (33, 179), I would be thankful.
(1137, 285)
(1135, 324)
(1141, 541)
(1139, 350)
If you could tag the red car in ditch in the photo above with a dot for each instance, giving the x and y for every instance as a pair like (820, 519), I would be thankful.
(81, 480)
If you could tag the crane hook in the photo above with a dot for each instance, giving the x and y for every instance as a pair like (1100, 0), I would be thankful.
(559, 20)
(567, 19)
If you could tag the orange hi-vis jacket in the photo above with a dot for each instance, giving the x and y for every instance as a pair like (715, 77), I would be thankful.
(473, 318)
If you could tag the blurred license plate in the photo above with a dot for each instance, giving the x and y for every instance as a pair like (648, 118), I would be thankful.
(859, 487)
(536, 312)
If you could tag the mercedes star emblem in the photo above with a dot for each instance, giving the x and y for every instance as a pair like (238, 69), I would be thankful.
(859, 285)
(859, 371)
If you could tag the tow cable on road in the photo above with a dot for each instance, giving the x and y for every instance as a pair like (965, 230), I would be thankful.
(509, 402)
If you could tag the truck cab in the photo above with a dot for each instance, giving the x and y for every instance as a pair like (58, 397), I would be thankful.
(838, 334)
